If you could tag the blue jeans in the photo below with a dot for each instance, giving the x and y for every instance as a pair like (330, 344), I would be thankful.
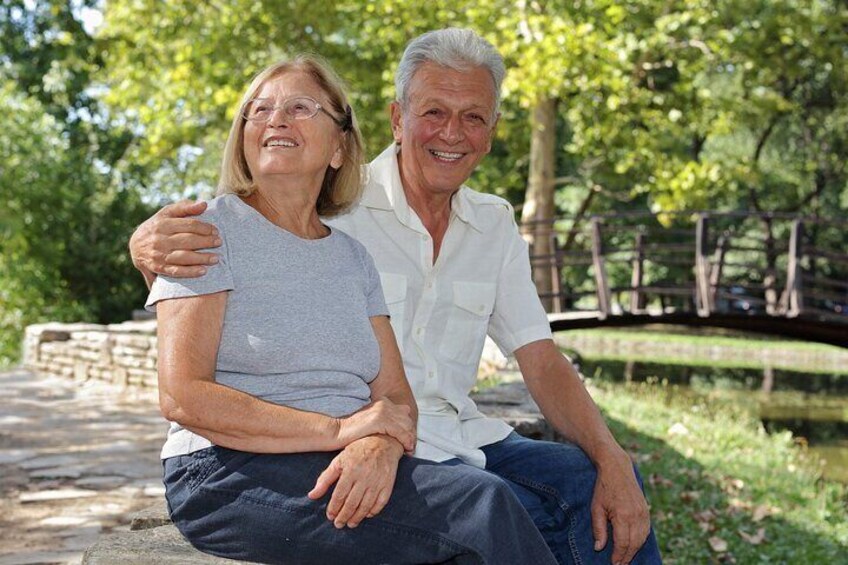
(555, 483)
(254, 507)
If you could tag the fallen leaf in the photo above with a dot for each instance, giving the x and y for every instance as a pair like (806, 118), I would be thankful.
(755, 539)
(761, 512)
(692, 473)
(639, 458)
(678, 429)
(717, 544)
(705, 516)
(690, 495)
(736, 505)
(735, 484)
(658, 480)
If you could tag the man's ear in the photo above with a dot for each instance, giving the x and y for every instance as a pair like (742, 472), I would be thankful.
(493, 131)
(397, 121)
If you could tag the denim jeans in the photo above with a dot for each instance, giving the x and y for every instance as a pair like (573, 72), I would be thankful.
(555, 483)
(254, 507)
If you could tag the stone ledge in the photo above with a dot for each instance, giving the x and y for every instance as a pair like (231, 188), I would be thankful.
(149, 518)
(163, 545)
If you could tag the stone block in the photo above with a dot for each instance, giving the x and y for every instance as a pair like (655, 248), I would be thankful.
(144, 327)
(125, 361)
(81, 371)
(130, 351)
(162, 546)
(91, 337)
(151, 517)
(120, 376)
(141, 342)
(148, 376)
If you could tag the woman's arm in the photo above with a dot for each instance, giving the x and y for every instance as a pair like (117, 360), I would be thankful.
(391, 381)
(189, 334)
(365, 471)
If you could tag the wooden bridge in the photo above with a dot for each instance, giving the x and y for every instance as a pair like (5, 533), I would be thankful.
(770, 273)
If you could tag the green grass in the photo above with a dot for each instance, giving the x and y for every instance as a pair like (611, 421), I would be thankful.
(708, 340)
(718, 474)
(749, 351)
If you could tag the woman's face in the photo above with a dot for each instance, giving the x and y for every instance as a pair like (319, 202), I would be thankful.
(282, 146)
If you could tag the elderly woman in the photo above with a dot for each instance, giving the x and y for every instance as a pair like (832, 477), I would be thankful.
(281, 377)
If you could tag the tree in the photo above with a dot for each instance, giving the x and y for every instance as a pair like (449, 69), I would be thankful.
(64, 217)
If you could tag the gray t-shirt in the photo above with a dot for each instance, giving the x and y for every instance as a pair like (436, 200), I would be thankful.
(296, 329)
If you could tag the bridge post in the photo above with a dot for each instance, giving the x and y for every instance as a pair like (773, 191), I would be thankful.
(717, 268)
(556, 270)
(637, 297)
(793, 296)
(702, 267)
(600, 269)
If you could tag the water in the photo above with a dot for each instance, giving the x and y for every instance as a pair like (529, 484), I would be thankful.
(812, 405)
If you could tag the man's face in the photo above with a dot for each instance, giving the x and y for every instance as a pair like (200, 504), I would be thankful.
(445, 127)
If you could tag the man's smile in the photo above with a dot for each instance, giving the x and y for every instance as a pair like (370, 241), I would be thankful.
(446, 156)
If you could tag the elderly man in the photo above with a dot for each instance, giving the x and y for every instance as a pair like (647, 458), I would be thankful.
(454, 268)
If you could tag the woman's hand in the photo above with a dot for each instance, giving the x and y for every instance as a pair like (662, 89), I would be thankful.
(380, 417)
(364, 473)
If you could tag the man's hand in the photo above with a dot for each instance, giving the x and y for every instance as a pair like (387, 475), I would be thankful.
(166, 243)
(364, 474)
(619, 500)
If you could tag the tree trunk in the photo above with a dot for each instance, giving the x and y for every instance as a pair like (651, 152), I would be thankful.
(538, 211)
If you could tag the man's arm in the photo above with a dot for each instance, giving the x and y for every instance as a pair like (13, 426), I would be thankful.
(166, 243)
(556, 387)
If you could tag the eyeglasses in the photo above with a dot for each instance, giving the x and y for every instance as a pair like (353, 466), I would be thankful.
(299, 108)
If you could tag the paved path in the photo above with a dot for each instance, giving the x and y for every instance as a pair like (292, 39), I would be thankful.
(76, 460)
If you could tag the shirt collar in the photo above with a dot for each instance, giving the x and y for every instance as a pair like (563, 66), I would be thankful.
(463, 206)
(384, 191)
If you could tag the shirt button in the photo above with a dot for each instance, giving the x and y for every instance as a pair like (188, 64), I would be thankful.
(425, 237)
(431, 374)
(481, 308)
(420, 331)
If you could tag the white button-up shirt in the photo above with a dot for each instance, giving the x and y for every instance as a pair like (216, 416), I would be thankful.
(441, 312)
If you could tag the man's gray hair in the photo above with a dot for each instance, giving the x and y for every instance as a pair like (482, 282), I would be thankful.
(456, 48)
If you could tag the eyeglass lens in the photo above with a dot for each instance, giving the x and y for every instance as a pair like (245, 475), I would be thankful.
(261, 109)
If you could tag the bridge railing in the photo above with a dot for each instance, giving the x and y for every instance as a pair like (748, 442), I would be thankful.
(705, 263)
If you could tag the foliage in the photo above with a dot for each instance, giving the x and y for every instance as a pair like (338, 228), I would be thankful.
(671, 105)
(64, 218)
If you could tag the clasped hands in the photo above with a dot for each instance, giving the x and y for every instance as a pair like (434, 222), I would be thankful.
(365, 470)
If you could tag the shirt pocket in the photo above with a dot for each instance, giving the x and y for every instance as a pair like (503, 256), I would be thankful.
(394, 291)
(468, 321)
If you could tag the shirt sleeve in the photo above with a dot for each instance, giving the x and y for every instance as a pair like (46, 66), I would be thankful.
(218, 277)
(375, 301)
(518, 317)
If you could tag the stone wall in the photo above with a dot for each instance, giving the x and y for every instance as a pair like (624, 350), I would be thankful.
(120, 353)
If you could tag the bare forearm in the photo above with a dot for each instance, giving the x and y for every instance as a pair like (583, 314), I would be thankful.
(391, 381)
(566, 404)
(234, 419)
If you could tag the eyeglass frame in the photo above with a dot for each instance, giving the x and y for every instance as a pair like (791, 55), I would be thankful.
(345, 124)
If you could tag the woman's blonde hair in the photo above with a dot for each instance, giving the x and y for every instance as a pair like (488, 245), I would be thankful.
(342, 187)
